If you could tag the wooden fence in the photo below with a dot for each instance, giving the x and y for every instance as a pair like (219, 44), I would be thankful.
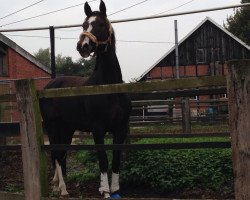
(142, 114)
(33, 148)
(139, 99)
(183, 110)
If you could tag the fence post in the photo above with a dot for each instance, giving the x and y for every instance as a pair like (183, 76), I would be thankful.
(239, 121)
(186, 119)
(2, 142)
(34, 159)
(52, 51)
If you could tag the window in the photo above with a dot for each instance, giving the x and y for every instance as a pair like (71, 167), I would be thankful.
(193, 98)
(3, 62)
(223, 96)
(200, 56)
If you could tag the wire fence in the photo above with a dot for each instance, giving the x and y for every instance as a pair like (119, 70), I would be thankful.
(133, 19)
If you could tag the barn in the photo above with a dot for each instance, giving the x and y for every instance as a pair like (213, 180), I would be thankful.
(17, 63)
(203, 52)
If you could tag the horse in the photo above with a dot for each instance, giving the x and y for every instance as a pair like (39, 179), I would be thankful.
(98, 114)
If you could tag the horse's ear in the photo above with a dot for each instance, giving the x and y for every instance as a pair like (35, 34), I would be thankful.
(87, 9)
(103, 8)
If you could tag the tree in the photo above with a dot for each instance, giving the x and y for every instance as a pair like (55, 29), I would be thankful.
(43, 55)
(87, 66)
(81, 67)
(239, 23)
(65, 65)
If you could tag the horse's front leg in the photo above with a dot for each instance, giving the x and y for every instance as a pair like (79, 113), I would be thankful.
(62, 185)
(118, 138)
(55, 182)
(103, 165)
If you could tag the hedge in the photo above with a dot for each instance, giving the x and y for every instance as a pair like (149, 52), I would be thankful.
(167, 170)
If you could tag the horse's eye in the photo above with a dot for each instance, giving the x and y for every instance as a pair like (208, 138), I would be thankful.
(102, 25)
(98, 24)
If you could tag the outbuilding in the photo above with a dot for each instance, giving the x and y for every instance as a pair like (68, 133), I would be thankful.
(17, 63)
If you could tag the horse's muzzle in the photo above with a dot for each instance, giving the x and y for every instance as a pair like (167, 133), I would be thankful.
(84, 49)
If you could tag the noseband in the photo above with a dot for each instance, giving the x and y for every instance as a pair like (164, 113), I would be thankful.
(94, 39)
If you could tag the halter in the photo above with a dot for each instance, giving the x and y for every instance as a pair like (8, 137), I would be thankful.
(94, 39)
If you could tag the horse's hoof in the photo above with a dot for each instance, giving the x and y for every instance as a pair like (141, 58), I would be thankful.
(56, 189)
(115, 196)
(65, 195)
(106, 195)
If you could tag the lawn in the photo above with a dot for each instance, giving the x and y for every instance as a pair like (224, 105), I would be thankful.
(177, 128)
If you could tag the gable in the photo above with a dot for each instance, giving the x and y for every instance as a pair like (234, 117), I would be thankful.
(209, 40)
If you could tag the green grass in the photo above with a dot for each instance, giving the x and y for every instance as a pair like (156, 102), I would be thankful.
(182, 140)
(89, 162)
(12, 188)
(177, 128)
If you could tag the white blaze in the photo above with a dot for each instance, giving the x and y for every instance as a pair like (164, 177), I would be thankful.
(90, 20)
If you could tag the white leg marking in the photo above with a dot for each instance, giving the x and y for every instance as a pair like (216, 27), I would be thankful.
(55, 181)
(104, 185)
(106, 195)
(62, 185)
(115, 186)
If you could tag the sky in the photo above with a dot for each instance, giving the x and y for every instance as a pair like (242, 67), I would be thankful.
(134, 57)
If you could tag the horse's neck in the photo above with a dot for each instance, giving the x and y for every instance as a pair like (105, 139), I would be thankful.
(107, 69)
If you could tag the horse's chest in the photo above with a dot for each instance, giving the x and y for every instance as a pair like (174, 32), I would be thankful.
(106, 107)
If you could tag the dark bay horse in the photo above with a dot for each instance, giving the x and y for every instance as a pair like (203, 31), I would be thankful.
(98, 113)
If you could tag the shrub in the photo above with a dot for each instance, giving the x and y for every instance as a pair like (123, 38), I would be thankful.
(166, 170)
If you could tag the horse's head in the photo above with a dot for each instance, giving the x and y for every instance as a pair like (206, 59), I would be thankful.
(97, 31)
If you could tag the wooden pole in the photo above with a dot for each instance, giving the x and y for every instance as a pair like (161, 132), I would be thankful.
(186, 118)
(52, 51)
(239, 121)
(176, 50)
(34, 159)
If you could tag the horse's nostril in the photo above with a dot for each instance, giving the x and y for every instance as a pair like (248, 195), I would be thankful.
(78, 46)
(85, 47)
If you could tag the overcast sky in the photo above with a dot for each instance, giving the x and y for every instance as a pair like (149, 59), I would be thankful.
(135, 58)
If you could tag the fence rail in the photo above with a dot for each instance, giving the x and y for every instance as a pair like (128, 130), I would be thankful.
(139, 103)
(178, 93)
(13, 129)
(126, 147)
(180, 84)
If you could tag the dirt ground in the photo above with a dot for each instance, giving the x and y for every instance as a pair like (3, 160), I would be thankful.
(11, 180)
